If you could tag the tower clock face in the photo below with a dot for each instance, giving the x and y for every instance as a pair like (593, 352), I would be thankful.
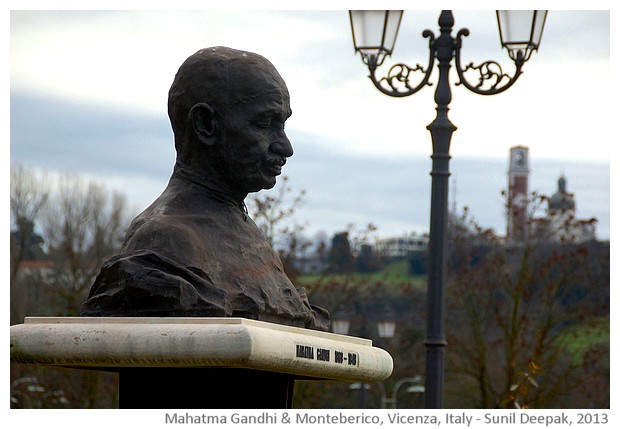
(519, 158)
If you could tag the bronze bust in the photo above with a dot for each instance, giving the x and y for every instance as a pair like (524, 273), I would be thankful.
(194, 251)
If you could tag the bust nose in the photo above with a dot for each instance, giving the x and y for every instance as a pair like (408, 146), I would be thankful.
(282, 145)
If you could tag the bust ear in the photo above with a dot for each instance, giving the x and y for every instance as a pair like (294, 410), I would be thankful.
(202, 118)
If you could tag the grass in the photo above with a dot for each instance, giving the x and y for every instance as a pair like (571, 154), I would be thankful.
(580, 339)
(394, 274)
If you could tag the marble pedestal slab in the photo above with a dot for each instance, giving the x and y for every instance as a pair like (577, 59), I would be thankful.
(198, 362)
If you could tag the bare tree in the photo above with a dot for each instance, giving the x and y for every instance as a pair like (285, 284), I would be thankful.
(84, 224)
(274, 213)
(512, 306)
(70, 226)
(29, 193)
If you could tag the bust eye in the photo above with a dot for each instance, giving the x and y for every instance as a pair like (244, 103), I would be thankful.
(268, 123)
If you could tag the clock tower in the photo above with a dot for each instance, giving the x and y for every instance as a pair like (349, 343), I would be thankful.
(518, 178)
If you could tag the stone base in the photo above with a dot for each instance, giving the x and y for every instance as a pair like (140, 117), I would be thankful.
(198, 362)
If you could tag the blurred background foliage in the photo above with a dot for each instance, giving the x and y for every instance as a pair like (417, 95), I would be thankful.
(527, 323)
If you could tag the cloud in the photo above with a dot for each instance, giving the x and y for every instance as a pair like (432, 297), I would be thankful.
(88, 94)
(62, 135)
(135, 154)
(128, 59)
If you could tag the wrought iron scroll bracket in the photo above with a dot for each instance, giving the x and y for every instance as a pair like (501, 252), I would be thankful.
(397, 83)
(491, 78)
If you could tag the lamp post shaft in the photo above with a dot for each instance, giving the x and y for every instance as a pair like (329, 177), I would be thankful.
(491, 80)
(441, 130)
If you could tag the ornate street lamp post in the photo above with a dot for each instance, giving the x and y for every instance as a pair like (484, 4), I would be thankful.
(374, 37)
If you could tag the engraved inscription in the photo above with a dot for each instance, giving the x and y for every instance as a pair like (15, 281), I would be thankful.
(322, 354)
(325, 355)
(306, 352)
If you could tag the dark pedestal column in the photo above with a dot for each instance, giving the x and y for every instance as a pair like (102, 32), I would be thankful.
(206, 388)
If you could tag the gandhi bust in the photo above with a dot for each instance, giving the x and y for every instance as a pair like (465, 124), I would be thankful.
(194, 251)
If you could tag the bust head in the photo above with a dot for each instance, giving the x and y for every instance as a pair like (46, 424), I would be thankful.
(227, 109)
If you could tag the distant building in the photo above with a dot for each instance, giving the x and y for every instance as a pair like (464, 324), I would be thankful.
(29, 290)
(561, 223)
(394, 247)
(43, 269)
(518, 190)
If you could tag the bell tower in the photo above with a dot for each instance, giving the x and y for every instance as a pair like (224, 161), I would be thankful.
(518, 185)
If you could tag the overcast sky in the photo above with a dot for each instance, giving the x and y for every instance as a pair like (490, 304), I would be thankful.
(88, 94)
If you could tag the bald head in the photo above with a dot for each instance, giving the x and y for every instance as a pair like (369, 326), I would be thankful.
(222, 77)
(228, 109)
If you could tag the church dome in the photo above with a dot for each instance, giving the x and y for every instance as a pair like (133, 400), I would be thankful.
(562, 200)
